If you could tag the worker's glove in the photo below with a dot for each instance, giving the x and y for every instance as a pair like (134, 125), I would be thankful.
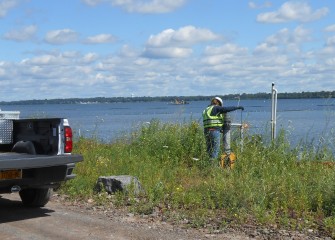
(242, 108)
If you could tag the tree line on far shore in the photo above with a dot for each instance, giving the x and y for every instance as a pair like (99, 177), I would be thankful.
(172, 99)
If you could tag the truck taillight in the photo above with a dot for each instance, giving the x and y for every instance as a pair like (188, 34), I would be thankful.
(68, 140)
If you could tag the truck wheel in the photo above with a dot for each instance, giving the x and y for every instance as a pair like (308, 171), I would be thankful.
(35, 197)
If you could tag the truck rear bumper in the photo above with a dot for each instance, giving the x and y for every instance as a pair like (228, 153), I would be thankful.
(11, 160)
(38, 171)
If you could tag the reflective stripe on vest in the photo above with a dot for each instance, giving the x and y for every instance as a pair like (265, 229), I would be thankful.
(211, 121)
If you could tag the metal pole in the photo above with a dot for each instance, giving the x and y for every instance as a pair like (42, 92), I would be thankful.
(228, 158)
(273, 111)
(226, 134)
(240, 125)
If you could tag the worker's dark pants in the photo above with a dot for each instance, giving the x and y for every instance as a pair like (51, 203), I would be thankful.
(213, 137)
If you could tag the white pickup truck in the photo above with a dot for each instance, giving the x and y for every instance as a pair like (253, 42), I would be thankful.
(35, 156)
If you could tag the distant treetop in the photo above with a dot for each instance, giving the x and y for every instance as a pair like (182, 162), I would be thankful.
(243, 96)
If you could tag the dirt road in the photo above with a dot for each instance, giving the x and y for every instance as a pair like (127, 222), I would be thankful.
(59, 221)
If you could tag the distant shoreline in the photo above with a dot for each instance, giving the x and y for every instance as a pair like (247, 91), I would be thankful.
(243, 96)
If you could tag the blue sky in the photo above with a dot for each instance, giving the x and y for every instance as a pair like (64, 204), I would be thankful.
(119, 48)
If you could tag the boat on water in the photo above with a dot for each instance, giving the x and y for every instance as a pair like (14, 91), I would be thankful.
(179, 102)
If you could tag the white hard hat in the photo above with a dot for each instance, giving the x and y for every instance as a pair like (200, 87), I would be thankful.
(220, 100)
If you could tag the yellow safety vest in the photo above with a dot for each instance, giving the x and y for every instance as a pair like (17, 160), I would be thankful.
(211, 121)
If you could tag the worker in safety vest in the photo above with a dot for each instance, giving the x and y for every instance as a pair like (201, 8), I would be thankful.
(213, 118)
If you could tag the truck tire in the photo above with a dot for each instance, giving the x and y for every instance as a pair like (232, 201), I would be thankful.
(35, 197)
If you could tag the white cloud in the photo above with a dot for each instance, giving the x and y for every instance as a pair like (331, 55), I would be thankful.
(92, 2)
(42, 60)
(47, 71)
(172, 43)
(228, 48)
(167, 52)
(265, 48)
(70, 58)
(301, 34)
(328, 51)
(228, 59)
(90, 57)
(24, 34)
(281, 37)
(283, 45)
(6, 5)
(127, 51)
(331, 62)
(141, 6)
(101, 38)
(62, 36)
(149, 6)
(286, 37)
(331, 41)
(68, 54)
(185, 36)
(254, 5)
(293, 11)
(330, 28)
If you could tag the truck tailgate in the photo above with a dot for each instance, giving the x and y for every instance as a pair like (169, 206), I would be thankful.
(11, 160)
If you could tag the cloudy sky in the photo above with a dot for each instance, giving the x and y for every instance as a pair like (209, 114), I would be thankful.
(118, 48)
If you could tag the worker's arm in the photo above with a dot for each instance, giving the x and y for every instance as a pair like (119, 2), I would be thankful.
(217, 110)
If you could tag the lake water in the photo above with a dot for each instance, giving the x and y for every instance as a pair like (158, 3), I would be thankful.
(302, 119)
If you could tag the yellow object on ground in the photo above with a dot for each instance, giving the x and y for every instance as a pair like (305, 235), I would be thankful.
(228, 161)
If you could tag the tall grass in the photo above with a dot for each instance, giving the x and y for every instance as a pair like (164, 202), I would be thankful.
(271, 182)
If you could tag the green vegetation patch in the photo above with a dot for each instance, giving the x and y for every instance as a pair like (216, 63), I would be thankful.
(271, 183)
